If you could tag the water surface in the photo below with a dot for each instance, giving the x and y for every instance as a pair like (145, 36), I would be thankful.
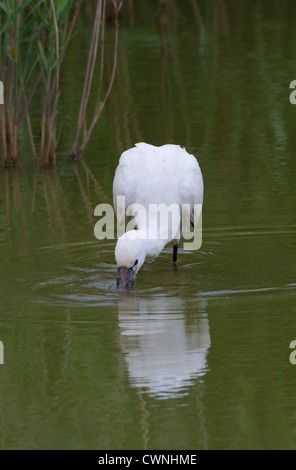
(197, 356)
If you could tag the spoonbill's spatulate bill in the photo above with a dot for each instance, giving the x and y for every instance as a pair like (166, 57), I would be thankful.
(149, 176)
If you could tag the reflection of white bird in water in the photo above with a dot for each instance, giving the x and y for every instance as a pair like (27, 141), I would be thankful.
(165, 353)
(149, 175)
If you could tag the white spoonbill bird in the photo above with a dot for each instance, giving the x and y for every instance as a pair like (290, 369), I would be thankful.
(149, 176)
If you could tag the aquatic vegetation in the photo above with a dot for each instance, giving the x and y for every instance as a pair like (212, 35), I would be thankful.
(34, 39)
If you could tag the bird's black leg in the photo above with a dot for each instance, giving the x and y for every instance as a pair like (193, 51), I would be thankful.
(175, 253)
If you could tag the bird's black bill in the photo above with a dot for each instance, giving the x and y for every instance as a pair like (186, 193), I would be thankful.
(125, 277)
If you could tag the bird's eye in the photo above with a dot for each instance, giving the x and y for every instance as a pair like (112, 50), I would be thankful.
(135, 264)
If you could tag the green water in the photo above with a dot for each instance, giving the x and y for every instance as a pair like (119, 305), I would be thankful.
(196, 357)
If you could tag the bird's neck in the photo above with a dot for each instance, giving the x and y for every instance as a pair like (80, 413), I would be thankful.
(160, 225)
(156, 228)
(151, 243)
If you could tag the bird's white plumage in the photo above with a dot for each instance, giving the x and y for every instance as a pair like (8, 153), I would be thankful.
(147, 174)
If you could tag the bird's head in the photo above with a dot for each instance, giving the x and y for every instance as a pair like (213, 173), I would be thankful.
(129, 255)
